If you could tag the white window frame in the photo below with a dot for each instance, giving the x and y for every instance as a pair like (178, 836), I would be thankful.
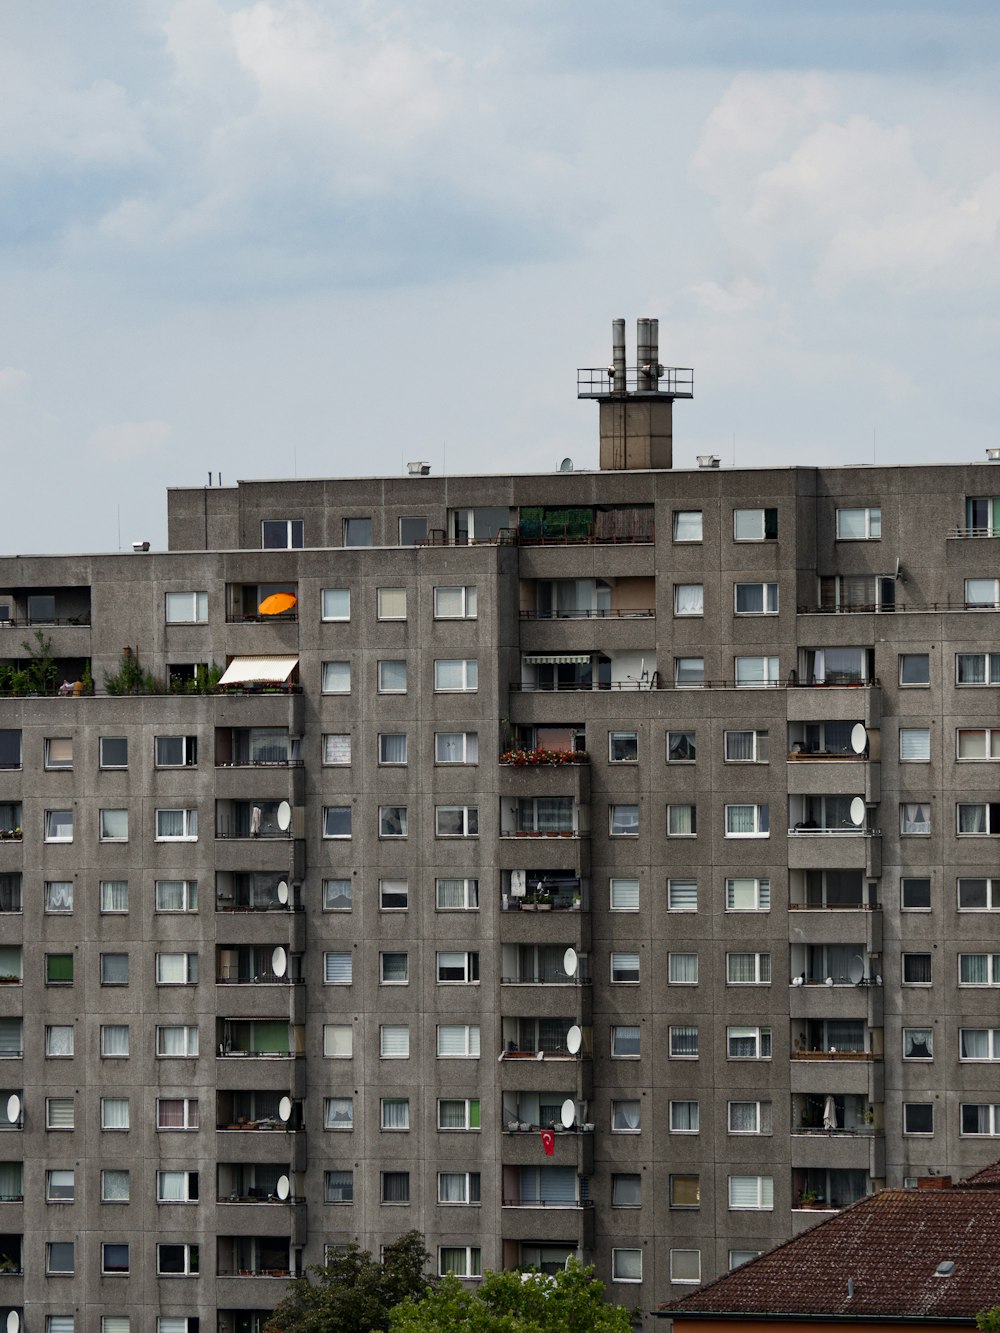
(338, 837)
(687, 593)
(472, 1041)
(918, 1133)
(185, 1179)
(468, 966)
(617, 1274)
(388, 595)
(992, 971)
(191, 1116)
(396, 887)
(400, 1038)
(679, 894)
(473, 1266)
(908, 738)
(330, 1112)
(675, 1032)
(470, 893)
(756, 831)
(469, 600)
(391, 816)
(189, 897)
(992, 893)
(991, 745)
(382, 675)
(688, 514)
(762, 900)
(678, 807)
(633, 830)
(467, 670)
(769, 599)
(758, 513)
(338, 1041)
(469, 816)
(332, 616)
(624, 1036)
(468, 1127)
(326, 677)
(625, 972)
(189, 751)
(112, 837)
(871, 518)
(58, 752)
(333, 745)
(196, 609)
(977, 604)
(618, 1124)
(769, 675)
(106, 1126)
(51, 822)
(192, 1259)
(189, 1041)
(391, 980)
(761, 967)
(764, 1193)
(760, 1036)
(629, 887)
(464, 743)
(467, 1178)
(384, 1102)
(760, 1117)
(685, 664)
(338, 974)
(66, 1117)
(622, 735)
(914, 684)
(189, 822)
(674, 968)
(988, 831)
(991, 671)
(678, 1277)
(760, 745)
(993, 1115)
(289, 544)
(688, 1102)
(188, 968)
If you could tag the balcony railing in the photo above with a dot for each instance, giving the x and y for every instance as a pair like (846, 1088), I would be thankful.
(558, 904)
(807, 829)
(262, 763)
(229, 977)
(515, 1052)
(971, 533)
(258, 1197)
(525, 1127)
(228, 1271)
(859, 1132)
(834, 1055)
(255, 617)
(238, 830)
(536, 979)
(556, 687)
(632, 613)
(564, 1205)
(834, 907)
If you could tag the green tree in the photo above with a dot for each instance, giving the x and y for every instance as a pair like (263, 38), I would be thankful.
(354, 1292)
(572, 1301)
(988, 1321)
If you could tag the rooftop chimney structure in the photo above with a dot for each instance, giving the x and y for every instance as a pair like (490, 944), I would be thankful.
(636, 402)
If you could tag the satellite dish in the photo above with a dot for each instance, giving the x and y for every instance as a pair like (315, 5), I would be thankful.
(574, 1040)
(284, 816)
(570, 962)
(283, 1187)
(566, 465)
(279, 961)
(285, 1110)
(13, 1108)
(859, 739)
(856, 971)
(282, 892)
(828, 982)
(13, 1321)
(568, 1113)
(857, 811)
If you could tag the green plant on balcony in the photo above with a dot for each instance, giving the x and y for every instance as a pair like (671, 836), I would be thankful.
(41, 670)
(131, 678)
(540, 757)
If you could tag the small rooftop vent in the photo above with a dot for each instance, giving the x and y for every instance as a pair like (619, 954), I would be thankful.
(945, 1268)
(140, 546)
(708, 460)
(419, 469)
(993, 455)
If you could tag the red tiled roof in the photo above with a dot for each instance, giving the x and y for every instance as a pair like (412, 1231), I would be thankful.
(889, 1244)
(988, 1177)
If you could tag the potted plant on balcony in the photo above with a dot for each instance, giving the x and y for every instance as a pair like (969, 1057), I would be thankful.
(544, 900)
(809, 1199)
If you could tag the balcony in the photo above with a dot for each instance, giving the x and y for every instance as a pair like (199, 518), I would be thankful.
(828, 891)
(11, 1258)
(256, 747)
(545, 1039)
(823, 1115)
(847, 1040)
(257, 965)
(254, 1256)
(589, 669)
(828, 816)
(257, 1111)
(828, 1190)
(239, 1183)
(56, 606)
(253, 819)
(252, 891)
(261, 603)
(543, 965)
(543, 816)
(259, 1039)
(585, 525)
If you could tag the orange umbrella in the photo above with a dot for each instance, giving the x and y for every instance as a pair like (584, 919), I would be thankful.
(276, 603)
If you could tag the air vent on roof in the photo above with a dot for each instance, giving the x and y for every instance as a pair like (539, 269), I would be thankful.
(708, 460)
(418, 469)
(993, 455)
(140, 546)
(945, 1268)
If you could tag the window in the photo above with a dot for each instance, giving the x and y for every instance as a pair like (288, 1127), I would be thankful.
(456, 674)
(357, 532)
(979, 1118)
(458, 968)
(59, 1323)
(392, 677)
(395, 1187)
(178, 1260)
(683, 1043)
(682, 969)
(59, 752)
(982, 594)
(751, 1192)
(681, 747)
(916, 969)
(338, 1041)
(338, 895)
(114, 969)
(335, 603)
(412, 530)
(626, 1265)
(392, 821)
(755, 599)
(337, 749)
(624, 895)
(914, 669)
(395, 1113)
(394, 1041)
(456, 821)
(457, 895)
(58, 1041)
(625, 967)
(859, 525)
(58, 825)
(115, 1186)
(458, 1113)
(918, 1044)
(11, 1039)
(979, 969)
(177, 1113)
(748, 1043)
(689, 599)
(687, 525)
(115, 1113)
(748, 969)
(114, 826)
(915, 818)
(338, 969)
(58, 969)
(624, 821)
(977, 895)
(459, 1040)
(392, 747)
(59, 1257)
(682, 821)
(176, 1186)
(915, 895)
(114, 895)
(336, 678)
(689, 672)
(336, 821)
(685, 1191)
(455, 603)
(684, 1117)
(391, 603)
(918, 1117)
(461, 1260)
(186, 608)
(394, 969)
(982, 819)
(979, 1044)
(176, 1042)
(754, 672)
(682, 895)
(915, 744)
(281, 534)
(623, 747)
(176, 969)
(626, 1117)
(978, 743)
(176, 895)
(176, 825)
(60, 1113)
(755, 525)
(625, 1042)
(114, 1040)
(59, 895)
(60, 1186)
(338, 1113)
(685, 1266)
(10, 749)
(456, 747)
(747, 821)
(750, 1118)
(977, 668)
(746, 747)
(175, 751)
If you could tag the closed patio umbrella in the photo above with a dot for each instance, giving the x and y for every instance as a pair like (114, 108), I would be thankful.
(829, 1112)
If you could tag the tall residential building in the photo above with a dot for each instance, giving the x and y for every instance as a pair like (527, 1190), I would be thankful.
(654, 806)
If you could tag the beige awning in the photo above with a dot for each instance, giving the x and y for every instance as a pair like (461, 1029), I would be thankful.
(259, 670)
(556, 659)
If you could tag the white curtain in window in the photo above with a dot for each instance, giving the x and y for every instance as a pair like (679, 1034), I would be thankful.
(338, 1113)
(683, 967)
(59, 1041)
(914, 743)
(12, 1179)
(114, 1186)
(336, 677)
(974, 1043)
(59, 896)
(114, 1113)
(625, 895)
(680, 820)
(59, 824)
(453, 1187)
(689, 599)
(739, 745)
(114, 823)
(687, 525)
(177, 1041)
(396, 1113)
(742, 968)
(458, 1039)
(743, 1118)
(971, 818)
(918, 1043)
(973, 969)
(740, 818)
(393, 748)
(114, 895)
(625, 1041)
(627, 1115)
(114, 1039)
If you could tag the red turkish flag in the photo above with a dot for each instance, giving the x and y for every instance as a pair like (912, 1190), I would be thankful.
(548, 1142)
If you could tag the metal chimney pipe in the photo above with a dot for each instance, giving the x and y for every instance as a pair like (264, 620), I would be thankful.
(642, 352)
(654, 341)
(618, 354)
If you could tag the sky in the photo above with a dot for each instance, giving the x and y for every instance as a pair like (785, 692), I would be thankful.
(307, 238)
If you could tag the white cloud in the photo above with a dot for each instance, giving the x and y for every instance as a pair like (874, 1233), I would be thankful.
(130, 441)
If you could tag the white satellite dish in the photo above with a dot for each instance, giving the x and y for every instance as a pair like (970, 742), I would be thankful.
(568, 1113)
(13, 1108)
(856, 971)
(279, 961)
(283, 1187)
(284, 816)
(285, 1110)
(570, 962)
(13, 1321)
(574, 1040)
(859, 738)
(566, 465)
(282, 892)
(857, 811)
